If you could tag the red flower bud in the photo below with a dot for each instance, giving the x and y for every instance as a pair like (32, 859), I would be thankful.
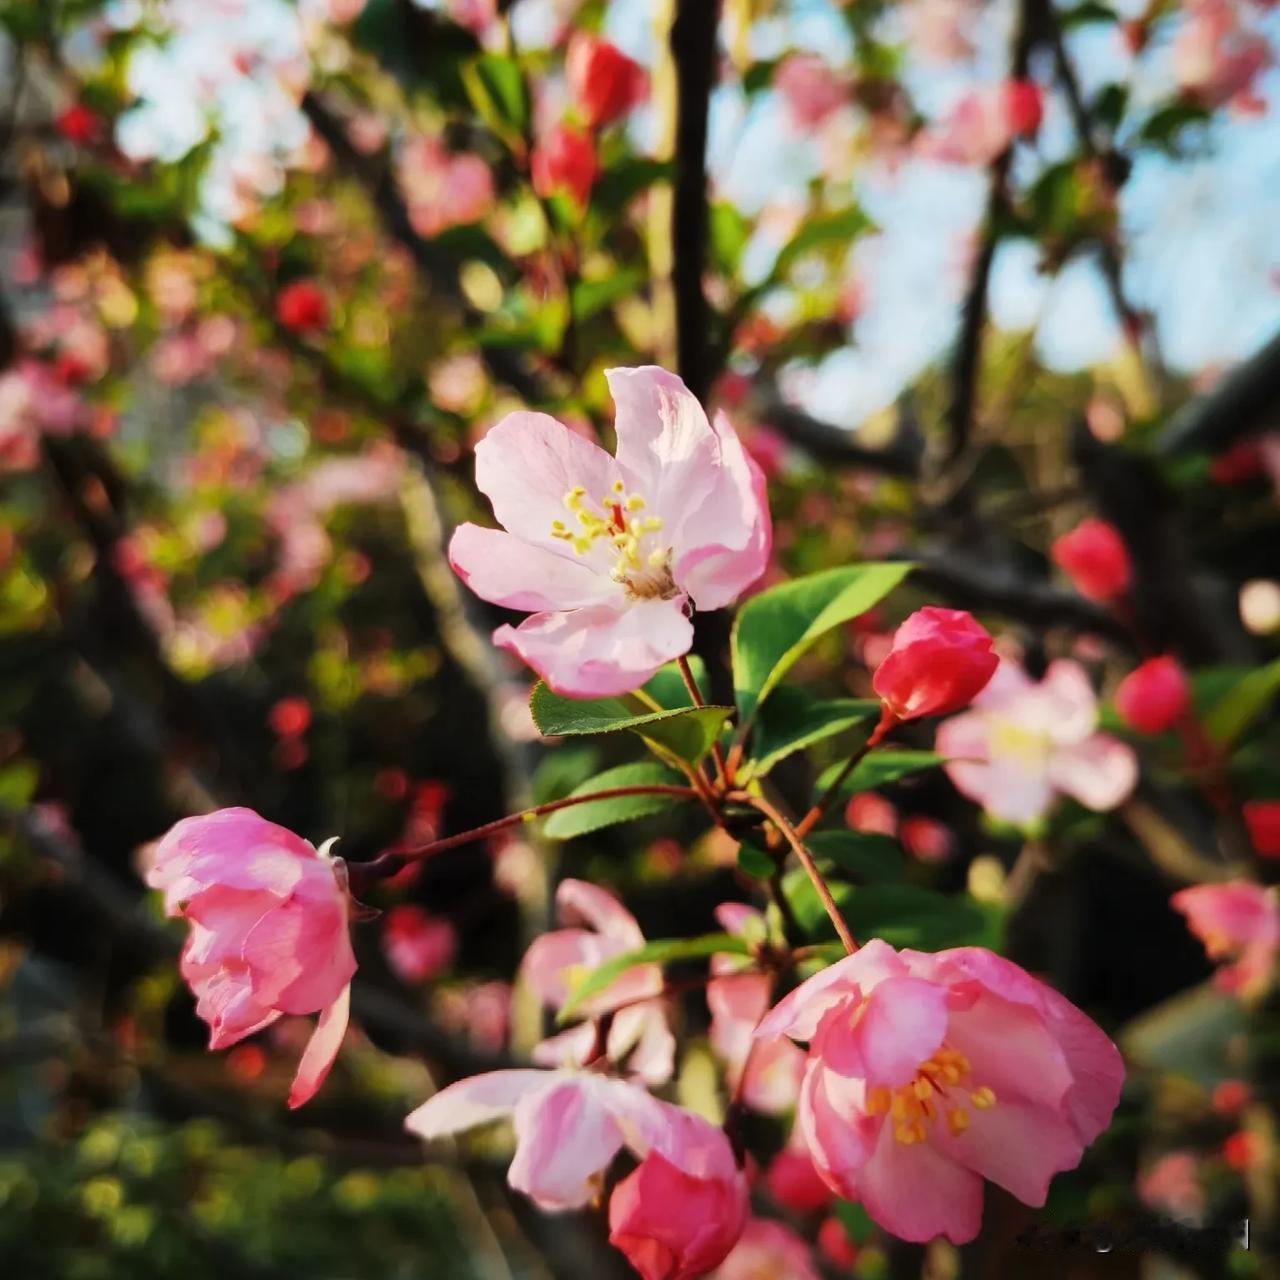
(290, 717)
(1262, 817)
(605, 83)
(1154, 696)
(565, 160)
(301, 307)
(795, 1184)
(1023, 107)
(1094, 557)
(79, 124)
(835, 1245)
(939, 661)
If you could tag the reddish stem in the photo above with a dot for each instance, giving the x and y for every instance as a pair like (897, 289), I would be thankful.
(810, 819)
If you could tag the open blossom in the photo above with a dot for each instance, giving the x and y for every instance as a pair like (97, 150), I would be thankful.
(939, 660)
(1154, 696)
(564, 160)
(768, 1248)
(1022, 743)
(605, 83)
(928, 1073)
(639, 1033)
(269, 934)
(569, 1125)
(683, 1208)
(608, 552)
(1238, 922)
(765, 1074)
(1094, 557)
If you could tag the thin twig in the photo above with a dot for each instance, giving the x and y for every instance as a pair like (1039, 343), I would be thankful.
(810, 819)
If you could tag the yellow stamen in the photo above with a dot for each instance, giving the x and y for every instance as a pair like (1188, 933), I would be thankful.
(878, 1100)
(923, 1089)
(958, 1120)
(982, 1098)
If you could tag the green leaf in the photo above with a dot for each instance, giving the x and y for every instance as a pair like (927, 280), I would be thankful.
(496, 89)
(1088, 11)
(840, 228)
(904, 915)
(592, 296)
(878, 770)
(853, 1218)
(623, 181)
(872, 858)
(755, 861)
(730, 232)
(1231, 714)
(659, 951)
(18, 784)
(774, 628)
(591, 815)
(686, 732)
(792, 720)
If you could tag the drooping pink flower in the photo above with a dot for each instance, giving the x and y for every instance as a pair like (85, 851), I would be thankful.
(811, 89)
(764, 1074)
(1021, 743)
(1154, 696)
(605, 83)
(1094, 557)
(607, 552)
(928, 1073)
(768, 1248)
(677, 1222)
(269, 935)
(417, 945)
(564, 161)
(569, 1125)
(1262, 818)
(639, 1033)
(939, 660)
(1239, 922)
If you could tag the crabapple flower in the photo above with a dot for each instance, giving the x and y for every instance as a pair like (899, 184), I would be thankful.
(268, 915)
(569, 1125)
(764, 1074)
(939, 660)
(1262, 819)
(928, 1073)
(983, 123)
(1153, 697)
(564, 160)
(608, 551)
(768, 1248)
(639, 1027)
(1021, 743)
(1238, 921)
(678, 1221)
(1094, 557)
(605, 83)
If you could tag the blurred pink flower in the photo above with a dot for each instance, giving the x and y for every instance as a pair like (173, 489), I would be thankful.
(768, 1249)
(1093, 555)
(983, 123)
(608, 552)
(867, 811)
(269, 934)
(1154, 696)
(1217, 58)
(928, 1073)
(1171, 1185)
(639, 1033)
(811, 89)
(417, 945)
(794, 1183)
(564, 162)
(1021, 743)
(605, 83)
(1238, 921)
(926, 839)
(443, 190)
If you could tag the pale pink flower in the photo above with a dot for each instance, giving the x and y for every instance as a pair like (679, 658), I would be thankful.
(1171, 1185)
(928, 1073)
(609, 552)
(1021, 743)
(941, 30)
(1216, 57)
(983, 123)
(768, 1249)
(417, 945)
(1238, 921)
(811, 88)
(569, 1125)
(443, 190)
(765, 1074)
(639, 1033)
(269, 935)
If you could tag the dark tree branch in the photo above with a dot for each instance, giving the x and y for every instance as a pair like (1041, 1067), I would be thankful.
(693, 48)
(835, 446)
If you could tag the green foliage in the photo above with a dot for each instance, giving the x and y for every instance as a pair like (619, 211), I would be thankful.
(1237, 708)
(792, 720)
(591, 815)
(878, 770)
(775, 628)
(496, 87)
(867, 856)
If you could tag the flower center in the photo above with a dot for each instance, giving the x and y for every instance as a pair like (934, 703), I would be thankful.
(642, 564)
(1030, 746)
(940, 1083)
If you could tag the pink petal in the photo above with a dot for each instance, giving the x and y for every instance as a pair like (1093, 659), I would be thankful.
(1100, 772)
(1006, 786)
(300, 955)
(643, 1030)
(602, 651)
(321, 1049)
(1006, 686)
(900, 1025)
(527, 464)
(580, 902)
(1070, 704)
(737, 917)
(564, 1138)
(474, 1101)
(552, 958)
(837, 1131)
(505, 570)
(569, 1048)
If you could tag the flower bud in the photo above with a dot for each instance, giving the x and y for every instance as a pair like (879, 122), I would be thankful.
(1154, 696)
(940, 659)
(1262, 817)
(1094, 557)
(565, 161)
(605, 83)
(301, 307)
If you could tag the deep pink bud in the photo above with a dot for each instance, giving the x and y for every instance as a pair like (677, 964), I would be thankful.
(939, 660)
(795, 1184)
(672, 1225)
(605, 83)
(1023, 106)
(79, 124)
(834, 1244)
(565, 161)
(1094, 557)
(1262, 817)
(301, 307)
(1154, 696)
